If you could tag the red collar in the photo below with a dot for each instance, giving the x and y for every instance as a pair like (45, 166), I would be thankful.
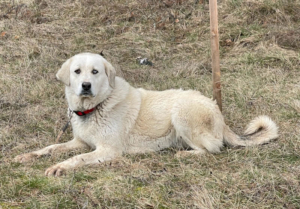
(84, 112)
(79, 113)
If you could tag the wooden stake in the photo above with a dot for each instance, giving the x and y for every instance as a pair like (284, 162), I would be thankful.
(215, 55)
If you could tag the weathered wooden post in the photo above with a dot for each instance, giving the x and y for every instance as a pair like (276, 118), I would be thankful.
(214, 34)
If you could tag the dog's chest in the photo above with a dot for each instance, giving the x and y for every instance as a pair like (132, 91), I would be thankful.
(93, 131)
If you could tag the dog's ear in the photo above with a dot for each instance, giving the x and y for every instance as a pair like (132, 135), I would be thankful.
(111, 73)
(101, 53)
(63, 73)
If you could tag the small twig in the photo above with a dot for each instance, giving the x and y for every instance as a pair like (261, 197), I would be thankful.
(62, 131)
(65, 127)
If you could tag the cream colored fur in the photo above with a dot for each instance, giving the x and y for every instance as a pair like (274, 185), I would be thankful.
(130, 120)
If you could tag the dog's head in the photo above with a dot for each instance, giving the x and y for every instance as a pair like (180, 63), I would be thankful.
(87, 74)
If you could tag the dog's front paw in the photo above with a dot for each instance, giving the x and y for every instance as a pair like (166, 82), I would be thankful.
(24, 158)
(56, 170)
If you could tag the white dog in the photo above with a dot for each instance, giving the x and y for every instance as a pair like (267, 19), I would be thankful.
(111, 117)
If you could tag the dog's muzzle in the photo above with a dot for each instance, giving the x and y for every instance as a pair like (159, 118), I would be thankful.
(86, 89)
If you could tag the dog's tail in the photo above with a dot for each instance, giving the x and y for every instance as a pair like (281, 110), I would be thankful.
(259, 131)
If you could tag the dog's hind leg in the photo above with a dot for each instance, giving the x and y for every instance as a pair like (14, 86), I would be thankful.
(198, 124)
(197, 137)
(70, 145)
(201, 144)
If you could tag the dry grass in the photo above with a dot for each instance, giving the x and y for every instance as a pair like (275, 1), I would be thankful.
(260, 55)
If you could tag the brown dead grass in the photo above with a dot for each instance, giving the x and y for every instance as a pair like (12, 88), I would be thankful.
(260, 75)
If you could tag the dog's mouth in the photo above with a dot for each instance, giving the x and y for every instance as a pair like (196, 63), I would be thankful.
(87, 93)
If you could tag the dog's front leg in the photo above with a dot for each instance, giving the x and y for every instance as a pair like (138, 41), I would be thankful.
(70, 145)
(95, 157)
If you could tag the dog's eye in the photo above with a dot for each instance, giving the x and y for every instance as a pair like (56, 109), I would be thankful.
(78, 71)
(94, 71)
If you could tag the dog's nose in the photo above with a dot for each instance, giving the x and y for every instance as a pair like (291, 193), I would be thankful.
(86, 86)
